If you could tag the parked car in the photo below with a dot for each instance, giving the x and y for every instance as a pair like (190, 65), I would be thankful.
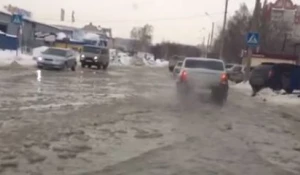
(177, 68)
(94, 56)
(173, 61)
(259, 78)
(57, 58)
(202, 74)
(235, 72)
(276, 77)
(285, 76)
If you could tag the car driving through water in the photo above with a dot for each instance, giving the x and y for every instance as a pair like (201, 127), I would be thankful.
(57, 58)
(95, 56)
(199, 75)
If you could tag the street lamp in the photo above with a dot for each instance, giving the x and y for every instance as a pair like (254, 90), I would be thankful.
(212, 28)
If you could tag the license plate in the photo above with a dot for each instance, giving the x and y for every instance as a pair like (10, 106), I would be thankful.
(88, 60)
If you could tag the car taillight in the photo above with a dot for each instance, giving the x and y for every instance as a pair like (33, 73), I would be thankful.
(183, 76)
(224, 78)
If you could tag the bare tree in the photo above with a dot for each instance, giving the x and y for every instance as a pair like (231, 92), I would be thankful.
(274, 34)
(234, 38)
(142, 37)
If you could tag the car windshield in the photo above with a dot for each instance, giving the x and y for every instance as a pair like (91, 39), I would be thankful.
(204, 64)
(56, 52)
(92, 49)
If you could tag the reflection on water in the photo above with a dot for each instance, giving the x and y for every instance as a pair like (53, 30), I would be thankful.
(39, 79)
(39, 75)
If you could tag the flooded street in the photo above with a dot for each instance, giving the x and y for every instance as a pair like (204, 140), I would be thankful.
(128, 121)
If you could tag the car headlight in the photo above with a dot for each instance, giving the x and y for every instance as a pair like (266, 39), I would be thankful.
(95, 58)
(40, 59)
(82, 56)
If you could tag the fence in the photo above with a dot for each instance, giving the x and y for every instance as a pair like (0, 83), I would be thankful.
(8, 42)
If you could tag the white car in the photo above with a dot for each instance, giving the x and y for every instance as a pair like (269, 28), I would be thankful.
(57, 58)
(202, 75)
(235, 72)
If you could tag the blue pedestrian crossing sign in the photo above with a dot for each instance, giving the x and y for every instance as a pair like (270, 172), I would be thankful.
(17, 19)
(252, 39)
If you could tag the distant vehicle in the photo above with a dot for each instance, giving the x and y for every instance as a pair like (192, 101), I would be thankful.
(202, 74)
(94, 56)
(177, 68)
(173, 61)
(235, 72)
(57, 58)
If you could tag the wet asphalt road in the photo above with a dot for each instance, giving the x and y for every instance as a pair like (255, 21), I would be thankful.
(128, 121)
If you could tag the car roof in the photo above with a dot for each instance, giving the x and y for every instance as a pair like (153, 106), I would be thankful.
(59, 48)
(204, 59)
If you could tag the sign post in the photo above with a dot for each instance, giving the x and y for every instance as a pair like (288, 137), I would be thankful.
(18, 20)
(252, 40)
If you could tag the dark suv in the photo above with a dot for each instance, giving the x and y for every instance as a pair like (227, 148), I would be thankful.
(276, 77)
(94, 56)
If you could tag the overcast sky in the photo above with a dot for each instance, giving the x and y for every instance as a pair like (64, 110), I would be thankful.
(174, 20)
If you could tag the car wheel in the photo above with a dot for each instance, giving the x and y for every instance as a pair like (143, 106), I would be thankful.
(65, 66)
(182, 92)
(219, 97)
(285, 81)
(82, 65)
(73, 68)
(98, 66)
(89, 66)
(105, 66)
(289, 90)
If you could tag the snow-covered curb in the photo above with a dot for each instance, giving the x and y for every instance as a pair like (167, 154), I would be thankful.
(268, 95)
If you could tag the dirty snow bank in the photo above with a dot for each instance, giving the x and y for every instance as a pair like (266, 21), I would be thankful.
(270, 96)
(120, 58)
(8, 56)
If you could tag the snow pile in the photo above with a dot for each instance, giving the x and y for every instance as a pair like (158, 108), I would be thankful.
(269, 95)
(7, 57)
(91, 36)
(121, 58)
(36, 52)
(161, 63)
(61, 36)
(141, 59)
(155, 63)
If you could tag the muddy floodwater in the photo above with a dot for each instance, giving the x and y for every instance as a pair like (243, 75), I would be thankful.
(128, 120)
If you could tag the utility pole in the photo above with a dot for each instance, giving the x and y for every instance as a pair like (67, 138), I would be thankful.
(203, 47)
(223, 31)
(253, 28)
(207, 46)
(212, 33)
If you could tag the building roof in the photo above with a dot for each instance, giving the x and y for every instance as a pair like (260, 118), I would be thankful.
(284, 4)
(5, 12)
(65, 27)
